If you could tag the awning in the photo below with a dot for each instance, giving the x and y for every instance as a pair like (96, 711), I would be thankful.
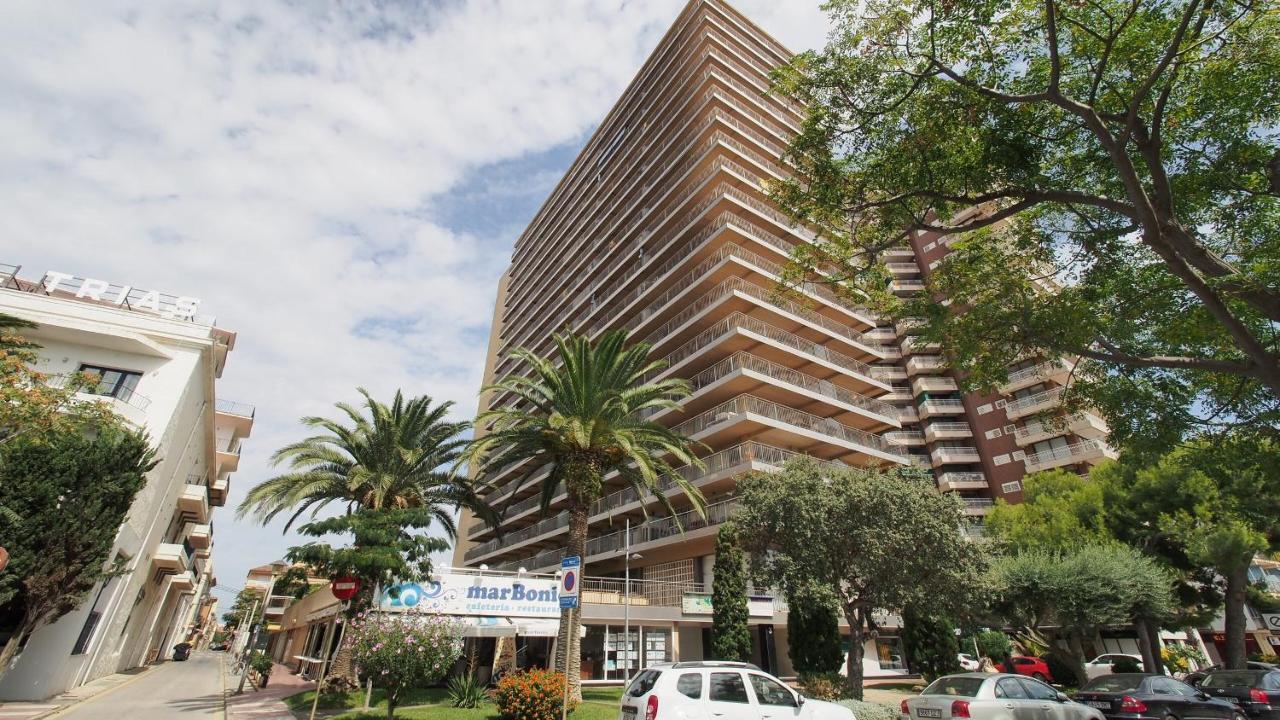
(487, 627)
(537, 628)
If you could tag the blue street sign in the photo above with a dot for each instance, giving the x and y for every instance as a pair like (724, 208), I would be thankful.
(570, 581)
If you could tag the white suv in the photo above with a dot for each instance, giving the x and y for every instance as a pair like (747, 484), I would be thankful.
(714, 690)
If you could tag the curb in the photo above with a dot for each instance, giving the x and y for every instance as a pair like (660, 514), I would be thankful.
(56, 712)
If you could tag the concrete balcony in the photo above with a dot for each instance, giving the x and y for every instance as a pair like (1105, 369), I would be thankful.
(1085, 451)
(951, 481)
(912, 345)
(200, 535)
(128, 404)
(903, 286)
(1056, 371)
(898, 254)
(977, 506)
(925, 364)
(906, 325)
(898, 393)
(881, 334)
(908, 414)
(933, 384)
(905, 438)
(184, 580)
(955, 455)
(170, 558)
(194, 500)
(229, 457)
(903, 268)
(1084, 424)
(935, 431)
(236, 416)
(218, 490)
(941, 407)
(1033, 404)
(889, 372)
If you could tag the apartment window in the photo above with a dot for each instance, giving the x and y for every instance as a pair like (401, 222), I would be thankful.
(1011, 487)
(111, 382)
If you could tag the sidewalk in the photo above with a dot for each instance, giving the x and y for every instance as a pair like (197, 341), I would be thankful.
(265, 704)
(48, 708)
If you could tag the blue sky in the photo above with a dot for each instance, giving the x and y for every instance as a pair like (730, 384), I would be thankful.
(341, 183)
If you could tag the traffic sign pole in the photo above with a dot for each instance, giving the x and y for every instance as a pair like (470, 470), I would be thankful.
(570, 589)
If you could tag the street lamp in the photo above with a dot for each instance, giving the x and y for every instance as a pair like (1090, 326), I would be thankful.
(277, 569)
(627, 557)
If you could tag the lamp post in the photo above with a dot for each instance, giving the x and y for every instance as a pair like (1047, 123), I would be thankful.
(277, 568)
(627, 557)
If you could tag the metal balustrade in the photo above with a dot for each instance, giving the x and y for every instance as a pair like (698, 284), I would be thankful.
(740, 361)
(1032, 403)
(231, 407)
(1076, 452)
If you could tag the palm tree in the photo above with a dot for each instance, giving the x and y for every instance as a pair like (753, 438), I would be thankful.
(397, 457)
(585, 419)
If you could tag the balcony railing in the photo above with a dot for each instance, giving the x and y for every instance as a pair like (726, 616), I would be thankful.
(741, 361)
(1068, 454)
(744, 404)
(87, 386)
(1034, 403)
(942, 406)
(955, 454)
(231, 407)
(961, 480)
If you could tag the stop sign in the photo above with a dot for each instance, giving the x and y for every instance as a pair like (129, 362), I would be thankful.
(345, 588)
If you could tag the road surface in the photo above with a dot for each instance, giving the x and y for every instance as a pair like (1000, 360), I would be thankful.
(184, 690)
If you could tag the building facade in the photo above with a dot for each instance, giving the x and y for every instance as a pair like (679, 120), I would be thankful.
(662, 226)
(157, 362)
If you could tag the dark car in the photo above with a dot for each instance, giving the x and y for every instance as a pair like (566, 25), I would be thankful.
(1257, 692)
(1033, 666)
(1138, 696)
(182, 651)
(1194, 678)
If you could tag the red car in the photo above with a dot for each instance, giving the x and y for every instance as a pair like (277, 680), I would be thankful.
(1033, 666)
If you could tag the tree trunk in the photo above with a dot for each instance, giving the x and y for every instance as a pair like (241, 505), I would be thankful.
(393, 697)
(853, 663)
(569, 639)
(11, 648)
(1148, 629)
(1237, 583)
(1144, 645)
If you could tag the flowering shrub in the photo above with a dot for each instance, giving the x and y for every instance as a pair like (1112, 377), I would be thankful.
(403, 650)
(532, 694)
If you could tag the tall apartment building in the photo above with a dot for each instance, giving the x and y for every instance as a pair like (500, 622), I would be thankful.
(157, 362)
(661, 226)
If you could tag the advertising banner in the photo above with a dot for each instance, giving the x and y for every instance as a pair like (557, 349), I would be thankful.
(458, 594)
(700, 604)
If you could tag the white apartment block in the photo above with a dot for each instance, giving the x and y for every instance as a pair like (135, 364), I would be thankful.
(158, 362)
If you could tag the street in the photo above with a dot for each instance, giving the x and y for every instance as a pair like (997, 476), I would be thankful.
(190, 689)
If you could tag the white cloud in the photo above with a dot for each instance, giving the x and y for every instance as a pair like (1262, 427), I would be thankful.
(282, 161)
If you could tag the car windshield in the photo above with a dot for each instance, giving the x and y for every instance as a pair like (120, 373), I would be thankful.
(956, 685)
(1113, 683)
(1238, 678)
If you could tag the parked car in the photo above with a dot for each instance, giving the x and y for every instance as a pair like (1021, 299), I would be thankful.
(987, 696)
(1136, 696)
(182, 651)
(1033, 666)
(968, 662)
(1194, 678)
(219, 647)
(721, 690)
(1257, 692)
(1102, 664)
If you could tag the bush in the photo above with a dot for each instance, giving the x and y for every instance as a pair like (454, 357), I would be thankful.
(822, 686)
(533, 694)
(1179, 657)
(403, 651)
(870, 711)
(930, 644)
(1063, 668)
(1126, 665)
(993, 644)
(813, 634)
(465, 692)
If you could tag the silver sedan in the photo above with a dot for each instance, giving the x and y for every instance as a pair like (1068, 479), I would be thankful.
(993, 696)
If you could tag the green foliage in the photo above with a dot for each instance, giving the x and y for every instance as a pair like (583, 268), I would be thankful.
(1130, 143)
(870, 711)
(1126, 665)
(465, 691)
(1181, 657)
(403, 650)
(730, 636)
(1261, 600)
(857, 532)
(1059, 511)
(813, 633)
(66, 492)
(260, 663)
(244, 603)
(584, 417)
(991, 643)
(930, 644)
(822, 685)
(397, 457)
(532, 694)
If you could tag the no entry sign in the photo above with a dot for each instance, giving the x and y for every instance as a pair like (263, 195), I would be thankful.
(345, 588)
(570, 581)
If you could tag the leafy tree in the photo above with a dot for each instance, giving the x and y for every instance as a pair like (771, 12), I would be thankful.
(813, 632)
(396, 457)
(577, 422)
(1059, 510)
(930, 644)
(1073, 593)
(991, 644)
(1129, 142)
(858, 532)
(730, 635)
(384, 551)
(67, 492)
(238, 613)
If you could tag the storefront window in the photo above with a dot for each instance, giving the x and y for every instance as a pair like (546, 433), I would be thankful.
(889, 653)
(608, 654)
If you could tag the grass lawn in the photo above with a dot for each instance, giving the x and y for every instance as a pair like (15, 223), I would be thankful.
(599, 703)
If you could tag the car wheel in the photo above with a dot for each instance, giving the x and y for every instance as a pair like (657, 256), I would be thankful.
(1039, 676)
(1238, 716)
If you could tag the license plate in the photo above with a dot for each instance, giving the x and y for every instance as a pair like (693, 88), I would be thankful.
(928, 712)
(1100, 704)
(629, 710)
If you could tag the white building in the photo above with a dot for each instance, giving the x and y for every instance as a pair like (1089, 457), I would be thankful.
(158, 361)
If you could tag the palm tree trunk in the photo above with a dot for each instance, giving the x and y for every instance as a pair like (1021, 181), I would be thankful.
(569, 640)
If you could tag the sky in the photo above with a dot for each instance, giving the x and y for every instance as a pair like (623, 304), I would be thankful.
(341, 183)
